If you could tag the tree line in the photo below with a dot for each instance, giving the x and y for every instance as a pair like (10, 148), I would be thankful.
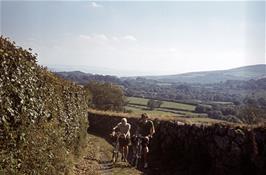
(245, 96)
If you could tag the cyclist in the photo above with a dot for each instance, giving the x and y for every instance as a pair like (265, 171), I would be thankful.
(146, 130)
(124, 128)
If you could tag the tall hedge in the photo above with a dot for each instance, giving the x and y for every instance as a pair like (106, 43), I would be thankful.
(43, 119)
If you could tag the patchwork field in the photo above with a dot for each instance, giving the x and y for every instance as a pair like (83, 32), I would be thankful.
(139, 105)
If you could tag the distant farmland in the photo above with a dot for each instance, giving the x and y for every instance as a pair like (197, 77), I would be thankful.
(139, 105)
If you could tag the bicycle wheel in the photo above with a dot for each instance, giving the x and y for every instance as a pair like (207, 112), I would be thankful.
(138, 154)
(115, 153)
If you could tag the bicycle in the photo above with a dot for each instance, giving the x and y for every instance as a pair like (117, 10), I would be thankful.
(116, 146)
(137, 150)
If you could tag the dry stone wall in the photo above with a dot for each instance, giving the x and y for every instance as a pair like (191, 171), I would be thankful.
(183, 149)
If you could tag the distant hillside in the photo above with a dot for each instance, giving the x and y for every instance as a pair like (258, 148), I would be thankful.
(84, 78)
(241, 73)
(204, 77)
(119, 71)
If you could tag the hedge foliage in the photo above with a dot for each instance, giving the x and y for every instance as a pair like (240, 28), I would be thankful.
(43, 119)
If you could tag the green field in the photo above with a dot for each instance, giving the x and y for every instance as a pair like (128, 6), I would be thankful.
(137, 100)
(139, 111)
(166, 104)
(139, 106)
(178, 106)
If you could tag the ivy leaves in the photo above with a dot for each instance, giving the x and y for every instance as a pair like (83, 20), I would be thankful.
(41, 115)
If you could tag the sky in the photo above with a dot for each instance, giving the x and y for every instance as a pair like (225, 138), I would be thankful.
(139, 38)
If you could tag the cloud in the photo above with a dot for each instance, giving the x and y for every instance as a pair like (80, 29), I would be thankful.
(99, 37)
(95, 5)
(114, 38)
(103, 37)
(87, 37)
(130, 38)
(172, 49)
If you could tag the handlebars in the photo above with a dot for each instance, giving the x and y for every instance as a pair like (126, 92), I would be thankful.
(119, 134)
(116, 134)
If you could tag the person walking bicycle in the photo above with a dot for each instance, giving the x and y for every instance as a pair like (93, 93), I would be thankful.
(122, 131)
(145, 131)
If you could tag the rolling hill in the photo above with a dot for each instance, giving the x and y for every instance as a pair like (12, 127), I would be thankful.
(204, 77)
(241, 73)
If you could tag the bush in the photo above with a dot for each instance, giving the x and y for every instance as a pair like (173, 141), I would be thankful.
(43, 119)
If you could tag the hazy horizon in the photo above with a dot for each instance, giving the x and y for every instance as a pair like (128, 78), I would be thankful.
(139, 38)
(121, 73)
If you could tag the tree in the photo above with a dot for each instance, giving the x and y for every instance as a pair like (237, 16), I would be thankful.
(228, 111)
(106, 96)
(154, 104)
(251, 114)
(262, 102)
(215, 114)
(201, 108)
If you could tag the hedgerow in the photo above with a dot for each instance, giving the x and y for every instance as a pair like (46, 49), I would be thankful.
(43, 119)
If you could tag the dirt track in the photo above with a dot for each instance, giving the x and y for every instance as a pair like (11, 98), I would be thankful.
(97, 160)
